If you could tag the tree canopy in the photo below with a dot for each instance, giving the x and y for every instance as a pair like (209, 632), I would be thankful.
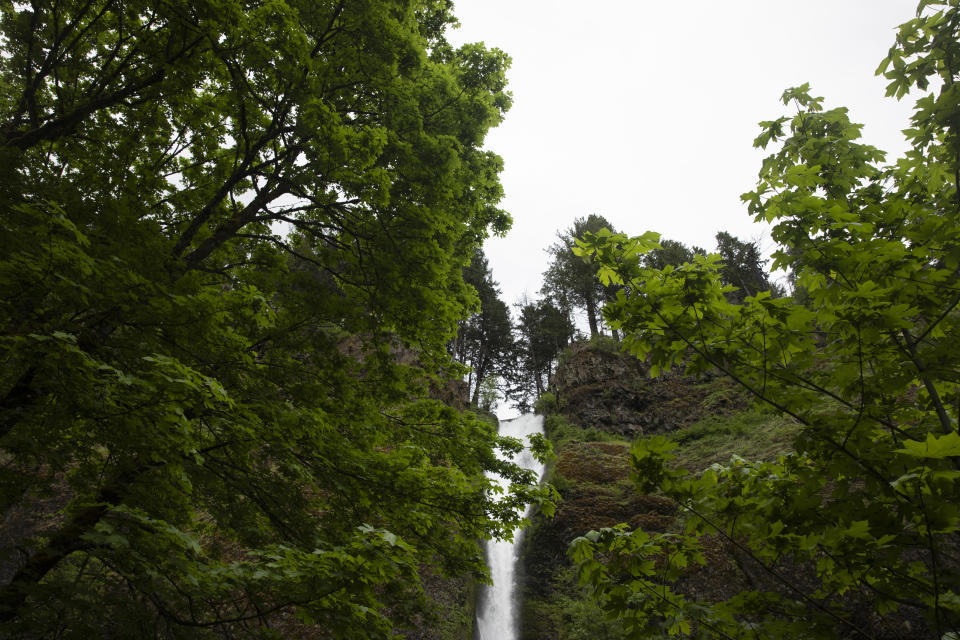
(866, 366)
(230, 263)
(741, 267)
(670, 253)
(484, 341)
(569, 280)
(543, 331)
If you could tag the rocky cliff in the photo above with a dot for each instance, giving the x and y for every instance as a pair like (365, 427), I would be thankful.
(602, 399)
(598, 386)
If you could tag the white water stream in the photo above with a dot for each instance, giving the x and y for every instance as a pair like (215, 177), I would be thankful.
(496, 618)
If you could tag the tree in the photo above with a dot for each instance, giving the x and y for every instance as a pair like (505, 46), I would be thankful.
(571, 281)
(868, 369)
(670, 253)
(484, 341)
(206, 427)
(742, 267)
(544, 330)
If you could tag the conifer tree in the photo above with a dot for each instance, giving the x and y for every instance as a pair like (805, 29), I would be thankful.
(569, 280)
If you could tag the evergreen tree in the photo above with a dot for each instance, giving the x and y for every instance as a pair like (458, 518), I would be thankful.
(670, 253)
(543, 331)
(742, 267)
(569, 280)
(484, 341)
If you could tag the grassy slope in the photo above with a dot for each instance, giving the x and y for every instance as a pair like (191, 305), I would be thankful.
(592, 474)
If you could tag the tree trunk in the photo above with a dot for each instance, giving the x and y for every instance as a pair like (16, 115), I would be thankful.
(475, 400)
(592, 318)
(66, 540)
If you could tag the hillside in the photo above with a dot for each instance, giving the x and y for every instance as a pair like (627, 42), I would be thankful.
(604, 399)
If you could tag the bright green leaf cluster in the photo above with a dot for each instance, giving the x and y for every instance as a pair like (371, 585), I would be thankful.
(862, 356)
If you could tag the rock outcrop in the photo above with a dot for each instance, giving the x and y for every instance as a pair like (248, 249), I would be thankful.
(598, 386)
(605, 398)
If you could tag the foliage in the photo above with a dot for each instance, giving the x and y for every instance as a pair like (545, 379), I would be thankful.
(715, 439)
(484, 341)
(546, 404)
(742, 264)
(208, 428)
(867, 368)
(543, 330)
(741, 267)
(562, 433)
(489, 394)
(569, 279)
(593, 478)
(670, 252)
(567, 614)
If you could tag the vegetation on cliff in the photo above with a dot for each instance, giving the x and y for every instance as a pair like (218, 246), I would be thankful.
(593, 475)
(864, 362)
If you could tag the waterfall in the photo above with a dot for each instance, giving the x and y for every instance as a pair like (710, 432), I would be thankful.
(496, 618)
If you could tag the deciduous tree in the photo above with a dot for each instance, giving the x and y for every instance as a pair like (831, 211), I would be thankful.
(870, 499)
(209, 427)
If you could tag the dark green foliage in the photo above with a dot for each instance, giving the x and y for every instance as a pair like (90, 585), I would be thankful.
(546, 404)
(562, 433)
(670, 253)
(742, 267)
(750, 434)
(543, 331)
(484, 341)
(209, 429)
(569, 280)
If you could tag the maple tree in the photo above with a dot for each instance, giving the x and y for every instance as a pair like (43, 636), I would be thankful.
(866, 364)
(230, 262)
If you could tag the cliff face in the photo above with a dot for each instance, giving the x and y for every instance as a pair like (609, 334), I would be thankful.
(603, 400)
(597, 386)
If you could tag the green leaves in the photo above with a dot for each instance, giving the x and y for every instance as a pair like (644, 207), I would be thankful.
(862, 356)
(219, 407)
(935, 447)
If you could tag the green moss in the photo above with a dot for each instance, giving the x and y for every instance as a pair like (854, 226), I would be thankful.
(752, 434)
(563, 434)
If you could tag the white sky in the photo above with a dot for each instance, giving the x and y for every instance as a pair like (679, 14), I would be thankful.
(645, 112)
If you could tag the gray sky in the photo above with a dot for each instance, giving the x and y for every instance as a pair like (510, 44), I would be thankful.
(645, 112)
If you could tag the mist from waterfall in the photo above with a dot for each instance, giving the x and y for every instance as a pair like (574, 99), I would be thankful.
(496, 614)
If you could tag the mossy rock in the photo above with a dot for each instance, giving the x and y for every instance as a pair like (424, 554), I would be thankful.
(598, 462)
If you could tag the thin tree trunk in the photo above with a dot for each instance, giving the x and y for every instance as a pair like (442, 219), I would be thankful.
(592, 318)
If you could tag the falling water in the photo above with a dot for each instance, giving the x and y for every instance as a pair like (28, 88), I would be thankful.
(495, 613)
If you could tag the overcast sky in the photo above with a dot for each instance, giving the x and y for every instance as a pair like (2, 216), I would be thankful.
(645, 112)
